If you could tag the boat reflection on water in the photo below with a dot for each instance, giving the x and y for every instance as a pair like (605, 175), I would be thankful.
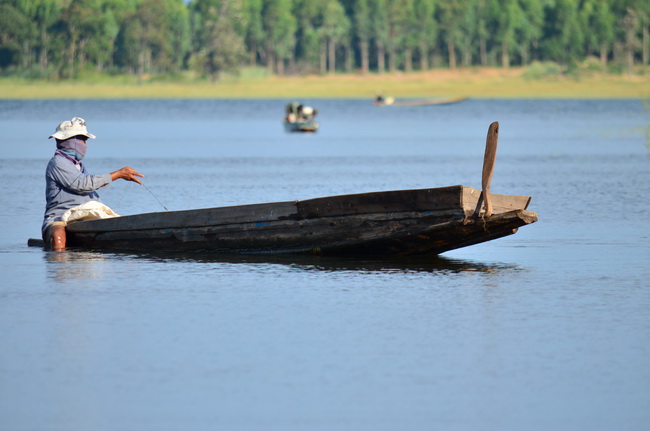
(82, 265)
(432, 263)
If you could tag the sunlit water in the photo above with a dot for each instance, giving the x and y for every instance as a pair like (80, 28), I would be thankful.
(548, 329)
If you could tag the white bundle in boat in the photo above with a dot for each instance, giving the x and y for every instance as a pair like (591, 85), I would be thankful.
(89, 211)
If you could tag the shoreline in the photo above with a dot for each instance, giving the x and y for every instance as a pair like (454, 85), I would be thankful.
(480, 83)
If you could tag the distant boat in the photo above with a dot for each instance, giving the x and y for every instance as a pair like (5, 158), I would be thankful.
(390, 101)
(401, 222)
(300, 118)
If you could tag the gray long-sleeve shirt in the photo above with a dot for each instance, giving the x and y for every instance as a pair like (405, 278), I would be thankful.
(68, 185)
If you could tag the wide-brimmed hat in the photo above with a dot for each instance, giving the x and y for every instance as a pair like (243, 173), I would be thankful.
(74, 127)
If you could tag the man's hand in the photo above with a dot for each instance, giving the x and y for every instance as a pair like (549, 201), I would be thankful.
(128, 174)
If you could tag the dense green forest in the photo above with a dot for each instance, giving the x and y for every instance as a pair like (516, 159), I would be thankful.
(64, 39)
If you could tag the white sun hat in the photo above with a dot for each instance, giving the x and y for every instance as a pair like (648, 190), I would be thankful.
(74, 127)
(307, 110)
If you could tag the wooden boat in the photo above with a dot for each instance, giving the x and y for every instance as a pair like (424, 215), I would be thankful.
(389, 101)
(403, 222)
(301, 126)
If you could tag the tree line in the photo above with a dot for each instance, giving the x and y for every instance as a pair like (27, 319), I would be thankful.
(57, 39)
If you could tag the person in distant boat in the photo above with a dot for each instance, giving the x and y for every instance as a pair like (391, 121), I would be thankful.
(291, 116)
(379, 99)
(68, 184)
(308, 113)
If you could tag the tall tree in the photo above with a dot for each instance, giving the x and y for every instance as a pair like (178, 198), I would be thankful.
(469, 35)
(254, 30)
(506, 16)
(14, 29)
(45, 14)
(394, 40)
(632, 29)
(563, 37)
(450, 16)
(403, 28)
(114, 12)
(82, 23)
(448, 29)
(380, 30)
(30, 30)
(145, 36)
(425, 29)
(642, 8)
(310, 38)
(598, 24)
(178, 40)
(363, 29)
(481, 10)
(280, 29)
(630, 25)
(529, 28)
(222, 37)
(336, 27)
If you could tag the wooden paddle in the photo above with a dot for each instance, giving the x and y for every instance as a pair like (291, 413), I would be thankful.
(488, 165)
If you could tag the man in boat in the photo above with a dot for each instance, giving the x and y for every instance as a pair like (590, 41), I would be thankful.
(292, 112)
(308, 113)
(290, 116)
(68, 184)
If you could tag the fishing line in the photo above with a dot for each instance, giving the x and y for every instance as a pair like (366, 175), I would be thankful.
(155, 197)
(122, 197)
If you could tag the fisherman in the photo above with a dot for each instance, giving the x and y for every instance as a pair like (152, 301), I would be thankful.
(68, 184)
(292, 112)
(291, 116)
(309, 113)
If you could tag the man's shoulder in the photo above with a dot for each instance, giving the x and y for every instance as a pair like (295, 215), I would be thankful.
(61, 163)
(58, 160)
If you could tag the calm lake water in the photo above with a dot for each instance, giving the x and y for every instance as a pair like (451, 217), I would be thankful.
(548, 329)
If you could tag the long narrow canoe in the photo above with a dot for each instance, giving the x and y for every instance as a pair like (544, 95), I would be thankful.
(419, 102)
(406, 222)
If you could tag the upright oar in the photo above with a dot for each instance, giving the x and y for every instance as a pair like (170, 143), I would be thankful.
(488, 165)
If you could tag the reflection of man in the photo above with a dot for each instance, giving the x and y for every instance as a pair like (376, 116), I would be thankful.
(81, 265)
(67, 184)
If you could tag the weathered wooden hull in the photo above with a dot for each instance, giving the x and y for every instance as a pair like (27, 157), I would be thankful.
(301, 126)
(408, 222)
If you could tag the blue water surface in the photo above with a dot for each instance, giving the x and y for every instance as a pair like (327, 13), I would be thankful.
(548, 329)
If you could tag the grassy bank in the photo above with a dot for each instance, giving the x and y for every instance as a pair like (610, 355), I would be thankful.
(474, 82)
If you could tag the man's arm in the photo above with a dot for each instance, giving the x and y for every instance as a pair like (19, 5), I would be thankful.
(68, 176)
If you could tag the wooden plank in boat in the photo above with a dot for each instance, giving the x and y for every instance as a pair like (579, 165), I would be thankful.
(380, 202)
(190, 218)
